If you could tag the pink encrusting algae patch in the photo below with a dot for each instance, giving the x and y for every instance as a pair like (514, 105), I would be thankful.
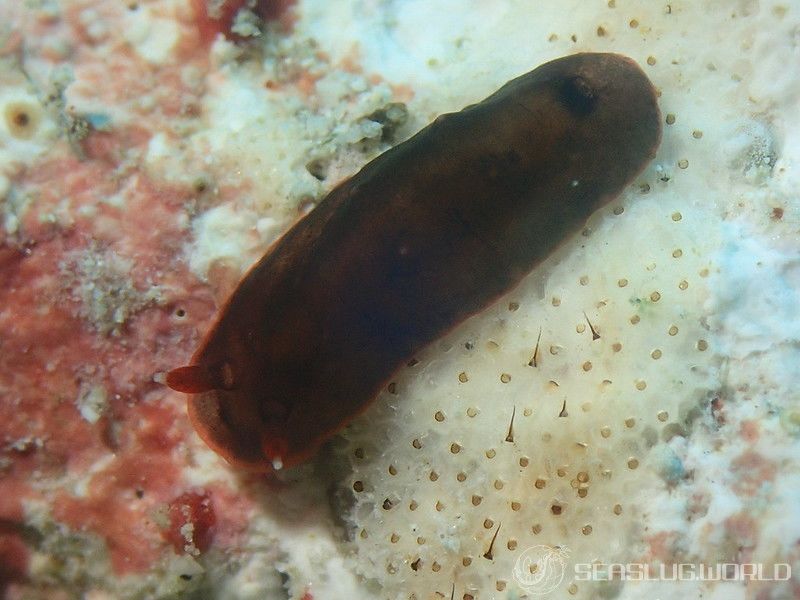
(51, 353)
(14, 552)
(219, 18)
(118, 499)
(96, 298)
(191, 522)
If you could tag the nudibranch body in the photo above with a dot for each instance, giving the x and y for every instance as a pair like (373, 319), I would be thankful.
(427, 234)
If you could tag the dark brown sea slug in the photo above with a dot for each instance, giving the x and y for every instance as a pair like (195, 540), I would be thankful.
(427, 234)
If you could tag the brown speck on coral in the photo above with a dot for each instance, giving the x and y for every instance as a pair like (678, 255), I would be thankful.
(22, 119)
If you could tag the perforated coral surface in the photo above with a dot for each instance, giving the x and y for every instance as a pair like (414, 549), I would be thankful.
(546, 420)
